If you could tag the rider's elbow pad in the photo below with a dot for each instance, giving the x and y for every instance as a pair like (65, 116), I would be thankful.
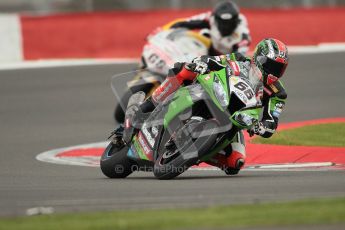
(282, 94)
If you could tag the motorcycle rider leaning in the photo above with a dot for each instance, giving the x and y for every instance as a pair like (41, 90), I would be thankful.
(271, 58)
(225, 25)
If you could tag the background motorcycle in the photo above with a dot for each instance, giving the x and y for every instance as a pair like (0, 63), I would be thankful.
(161, 51)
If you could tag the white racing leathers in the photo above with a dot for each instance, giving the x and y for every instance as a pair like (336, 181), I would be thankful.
(238, 41)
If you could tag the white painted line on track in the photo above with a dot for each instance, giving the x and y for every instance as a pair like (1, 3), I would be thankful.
(292, 165)
(320, 48)
(51, 156)
(294, 50)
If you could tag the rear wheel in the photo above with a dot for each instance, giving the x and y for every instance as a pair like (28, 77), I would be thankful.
(115, 163)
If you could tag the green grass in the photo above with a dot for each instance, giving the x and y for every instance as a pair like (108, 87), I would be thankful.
(330, 211)
(313, 135)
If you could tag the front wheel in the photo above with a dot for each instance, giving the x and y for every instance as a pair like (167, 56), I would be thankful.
(115, 163)
(165, 168)
(172, 160)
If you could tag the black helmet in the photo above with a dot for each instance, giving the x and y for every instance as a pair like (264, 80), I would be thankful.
(226, 15)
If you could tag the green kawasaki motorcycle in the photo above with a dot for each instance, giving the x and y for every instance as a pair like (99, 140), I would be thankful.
(189, 127)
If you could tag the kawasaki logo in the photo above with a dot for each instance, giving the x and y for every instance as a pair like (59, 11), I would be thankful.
(148, 136)
(143, 144)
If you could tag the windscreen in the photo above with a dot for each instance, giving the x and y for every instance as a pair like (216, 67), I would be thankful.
(255, 79)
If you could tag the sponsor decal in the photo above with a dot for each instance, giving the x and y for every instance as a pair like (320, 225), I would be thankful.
(197, 118)
(275, 90)
(154, 131)
(235, 68)
(282, 54)
(278, 108)
(147, 135)
(276, 114)
(228, 71)
(139, 149)
(164, 92)
(208, 77)
(144, 145)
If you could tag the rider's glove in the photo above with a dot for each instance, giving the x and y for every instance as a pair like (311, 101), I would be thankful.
(257, 129)
(197, 66)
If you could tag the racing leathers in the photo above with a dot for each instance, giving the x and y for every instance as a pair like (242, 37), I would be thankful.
(238, 41)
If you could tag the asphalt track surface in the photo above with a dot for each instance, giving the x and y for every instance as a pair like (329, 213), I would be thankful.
(47, 108)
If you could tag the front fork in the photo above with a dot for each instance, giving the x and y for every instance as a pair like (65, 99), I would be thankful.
(231, 155)
(131, 111)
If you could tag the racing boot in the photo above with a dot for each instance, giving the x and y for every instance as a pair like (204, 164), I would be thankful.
(232, 158)
(236, 159)
(231, 164)
(235, 163)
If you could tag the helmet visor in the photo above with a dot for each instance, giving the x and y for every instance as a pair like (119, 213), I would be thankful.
(271, 66)
(227, 26)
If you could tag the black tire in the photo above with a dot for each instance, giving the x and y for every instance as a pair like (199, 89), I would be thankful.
(119, 113)
(115, 163)
(231, 171)
(178, 164)
(173, 168)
